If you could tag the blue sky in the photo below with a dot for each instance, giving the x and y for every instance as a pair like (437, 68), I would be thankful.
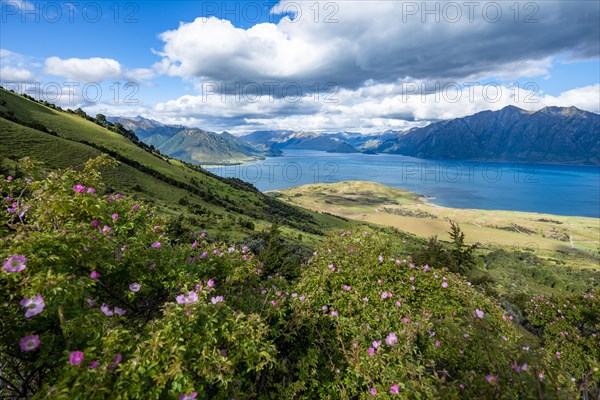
(370, 51)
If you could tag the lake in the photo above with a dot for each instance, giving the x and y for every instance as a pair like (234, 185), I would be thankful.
(543, 188)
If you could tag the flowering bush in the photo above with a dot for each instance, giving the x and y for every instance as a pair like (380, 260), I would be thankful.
(97, 301)
(91, 295)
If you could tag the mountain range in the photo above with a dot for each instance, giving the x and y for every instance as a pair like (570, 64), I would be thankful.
(194, 145)
(561, 135)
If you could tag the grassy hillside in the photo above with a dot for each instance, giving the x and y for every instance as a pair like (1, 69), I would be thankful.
(59, 139)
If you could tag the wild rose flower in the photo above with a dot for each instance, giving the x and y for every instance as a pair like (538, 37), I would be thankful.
(116, 361)
(15, 263)
(106, 310)
(34, 305)
(156, 245)
(29, 343)
(79, 188)
(76, 358)
(478, 313)
(394, 389)
(188, 396)
(191, 298)
(135, 287)
(391, 339)
(95, 275)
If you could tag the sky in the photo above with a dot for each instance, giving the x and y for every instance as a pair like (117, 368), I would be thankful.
(359, 66)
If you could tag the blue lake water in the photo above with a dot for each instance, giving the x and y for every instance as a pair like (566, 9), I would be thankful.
(552, 189)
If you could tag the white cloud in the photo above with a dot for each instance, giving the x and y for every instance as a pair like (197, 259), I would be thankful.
(383, 42)
(84, 69)
(374, 108)
(13, 74)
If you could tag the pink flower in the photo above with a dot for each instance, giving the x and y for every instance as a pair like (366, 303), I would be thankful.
(9, 178)
(115, 217)
(437, 343)
(426, 267)
(412, 279)
(34, 305)
(106, 229)
(76, 358)
(95, 275)
(93, 364)
(405, 320)
(79, 188)
(156, 228)
(334, 313)
(135, 287)
(491, 379)
(215, 300)
(191, 298)
(156, 245)
(91, 303)
(188, 396)
(224, 352)
(394, 389)
(478, 313)
(399, 304)
(15, 263)
(347, 288)
(376, 343)
(135, 207)
(210, 283)
(203, 234)
(371, 351)
(195, 244)
(444, 284)
(29, 343)
(116, 361)
(373, 391)
(331, 267)
(91, 190)
(119, 196)
(380, 258)
(120, 311)
(391, 339)
(106, 310)
(95, 223)
(324, 308)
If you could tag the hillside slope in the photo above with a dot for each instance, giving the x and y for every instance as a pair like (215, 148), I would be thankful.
(60, 139)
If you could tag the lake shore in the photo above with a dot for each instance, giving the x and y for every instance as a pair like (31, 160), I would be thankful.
(412, 212)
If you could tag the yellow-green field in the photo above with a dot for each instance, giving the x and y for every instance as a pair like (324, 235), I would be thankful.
(383, 205)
